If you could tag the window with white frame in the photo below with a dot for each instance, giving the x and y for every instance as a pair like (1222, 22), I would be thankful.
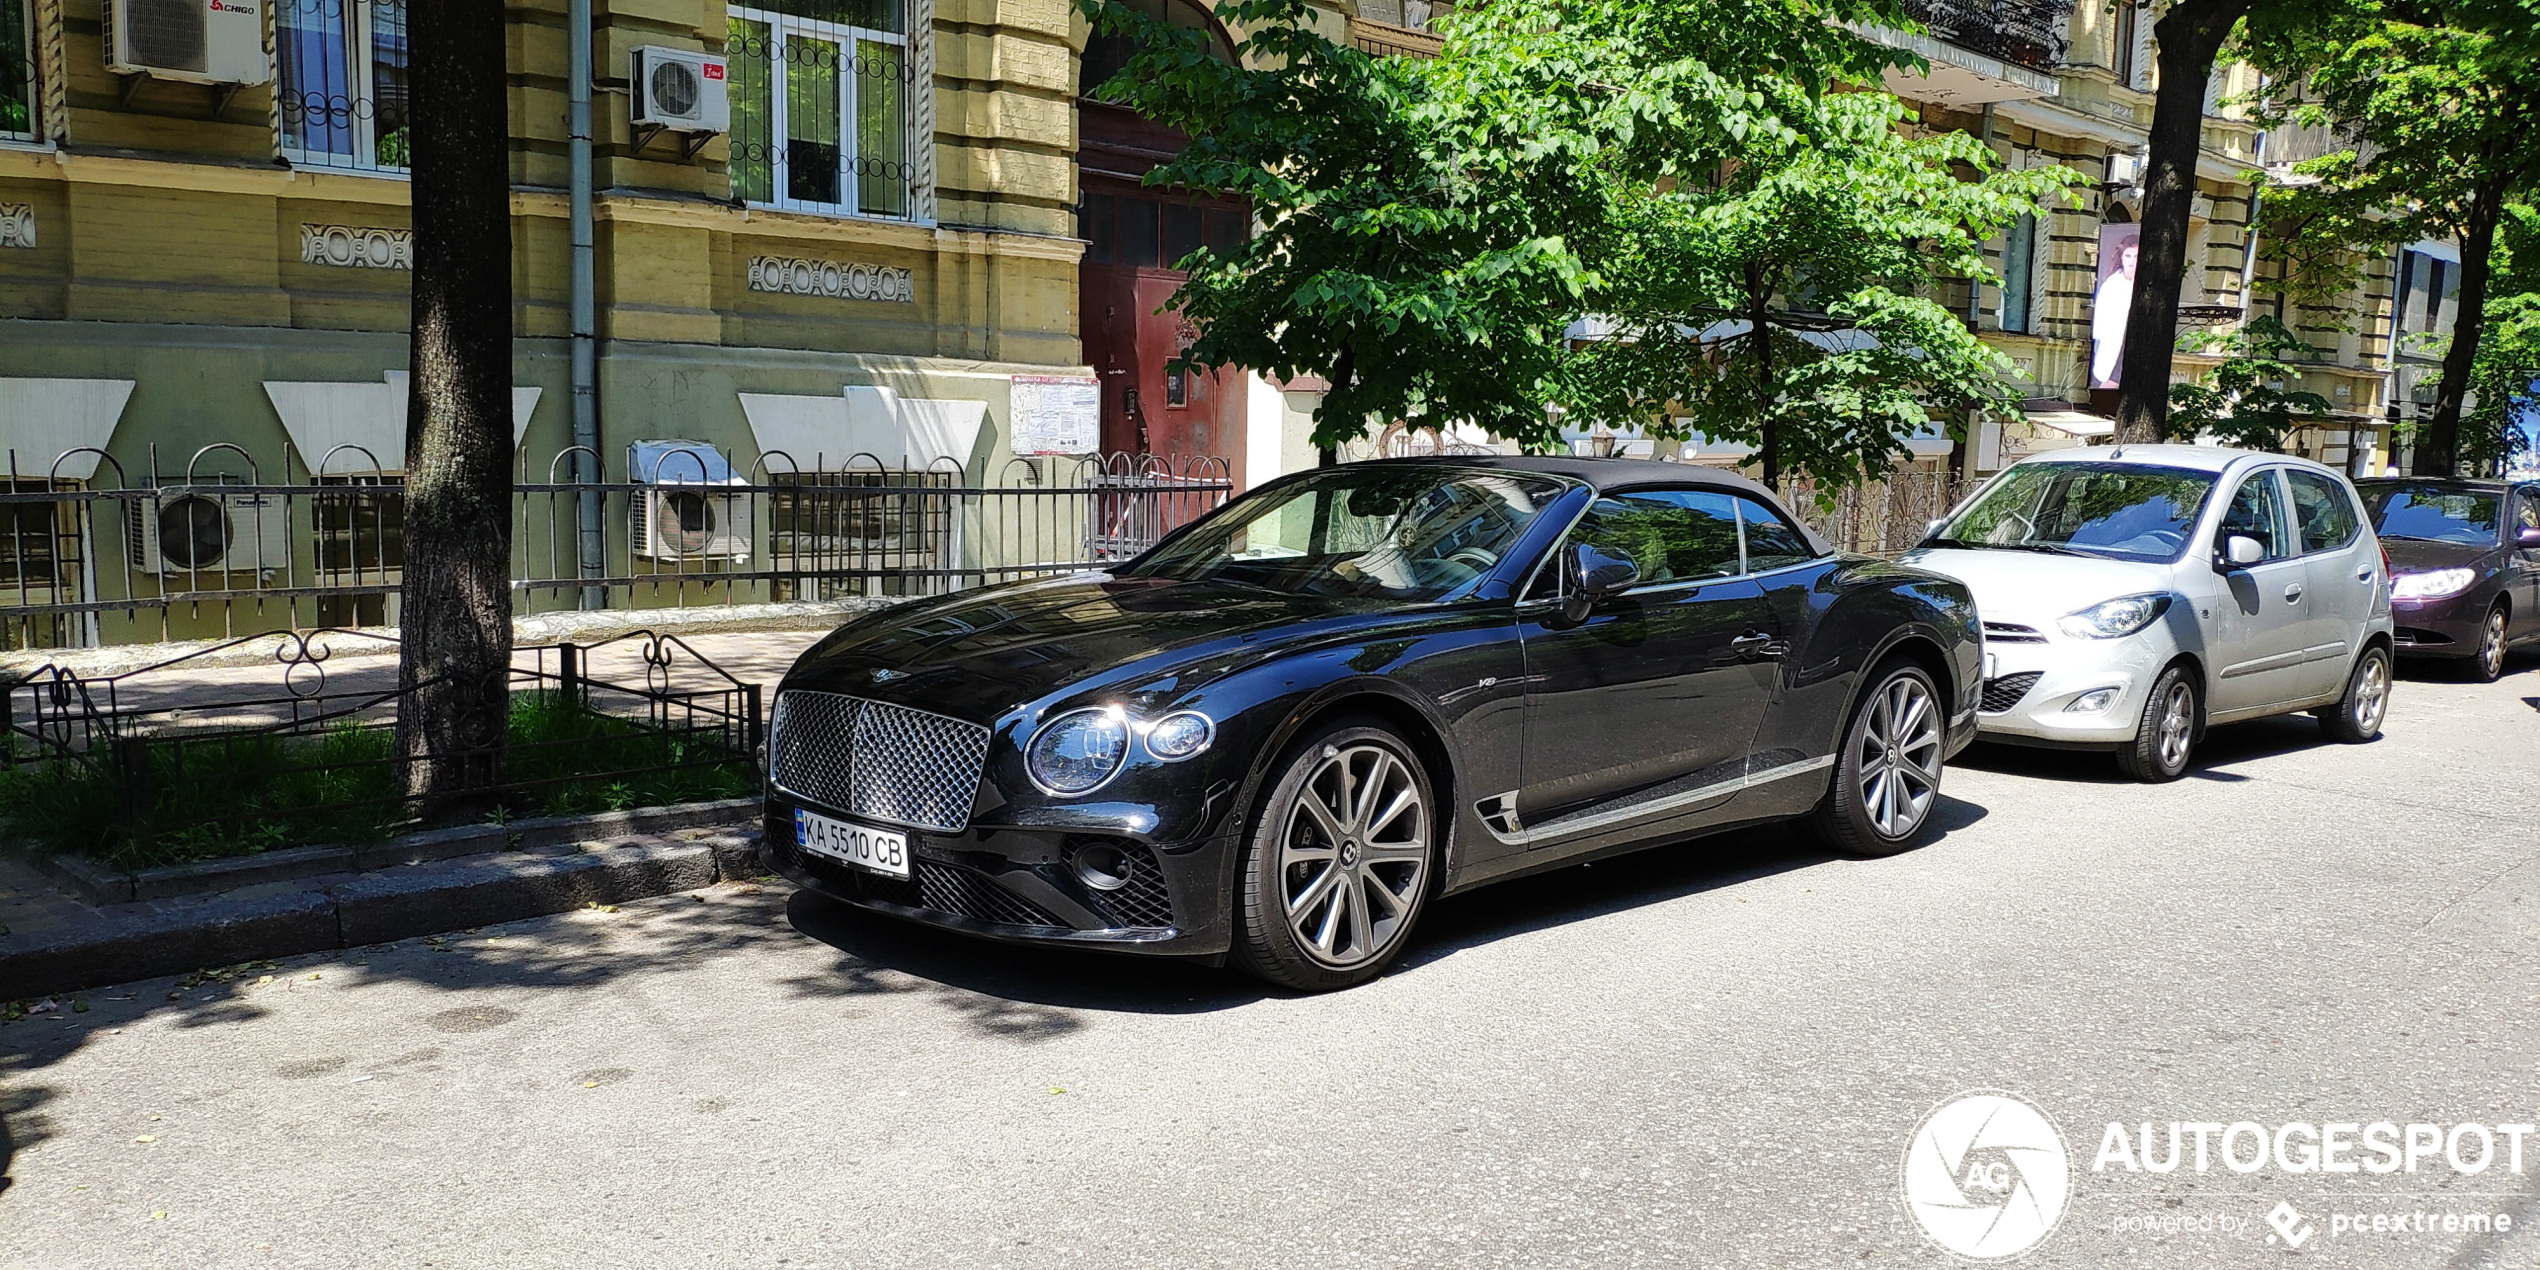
(17, 71)
(340, 70)
(820, 106)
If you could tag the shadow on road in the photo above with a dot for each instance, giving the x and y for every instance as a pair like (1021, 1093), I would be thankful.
(1071, 979)
(2222, 747)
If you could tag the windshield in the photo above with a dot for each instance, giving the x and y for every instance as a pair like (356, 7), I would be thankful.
(1412, 533)
(2116, 511)
(2433, 512)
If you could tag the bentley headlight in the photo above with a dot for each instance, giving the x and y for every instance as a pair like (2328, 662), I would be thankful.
(1077, 751)
(2117, 618)
(2432, 586)
(1180, 735)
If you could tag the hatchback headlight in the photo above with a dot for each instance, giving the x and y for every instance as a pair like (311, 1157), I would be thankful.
(2432, 586)
(2114, 619)
(1077, 751)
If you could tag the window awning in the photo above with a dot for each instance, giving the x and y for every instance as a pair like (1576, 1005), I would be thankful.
(42, 420)
(2077, 423)
(343, 428)
(863, 425)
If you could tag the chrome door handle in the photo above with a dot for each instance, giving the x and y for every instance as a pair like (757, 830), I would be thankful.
(2293, 595)
(1752, 645)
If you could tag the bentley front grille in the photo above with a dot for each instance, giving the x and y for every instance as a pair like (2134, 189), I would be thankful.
(872, 758)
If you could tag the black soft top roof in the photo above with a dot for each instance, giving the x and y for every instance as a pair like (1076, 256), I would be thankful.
(1614, 476)
(1606, 475)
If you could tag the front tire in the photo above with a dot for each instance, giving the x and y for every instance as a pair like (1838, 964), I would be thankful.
(2487, 665)
(1337, 869)
(2357, 716)
(2165, 737)
(1887, 775)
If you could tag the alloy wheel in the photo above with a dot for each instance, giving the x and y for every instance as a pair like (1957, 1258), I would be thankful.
(1900, 757)
(2491, 646)
(2178, 726)
(2372, 694)
(1355, 855)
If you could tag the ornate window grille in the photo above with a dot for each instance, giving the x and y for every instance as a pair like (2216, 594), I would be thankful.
(821, 106)
(340, 91)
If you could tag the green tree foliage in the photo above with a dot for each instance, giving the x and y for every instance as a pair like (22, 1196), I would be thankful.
(1433, 230)
(2245, 403)
(2439, 107)
(1775, 300)
(2507, 367)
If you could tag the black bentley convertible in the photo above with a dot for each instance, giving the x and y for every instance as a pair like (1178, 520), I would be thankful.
(1283, 730)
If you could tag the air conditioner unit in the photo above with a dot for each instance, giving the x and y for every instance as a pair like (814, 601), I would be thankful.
(199, 41)
(190, 531)
(691, 522)
(680, 90)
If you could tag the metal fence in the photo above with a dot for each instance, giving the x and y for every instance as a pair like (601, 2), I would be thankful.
(169, 763)
(226, 546)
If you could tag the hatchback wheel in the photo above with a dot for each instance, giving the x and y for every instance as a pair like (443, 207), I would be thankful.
(2357, 716)
(2165, 737)
(2488, 664)
(1887, 775)
(1337, 869)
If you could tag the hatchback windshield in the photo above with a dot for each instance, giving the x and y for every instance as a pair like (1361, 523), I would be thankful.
(2433, 512)
(2117, 511)
(1406, 533)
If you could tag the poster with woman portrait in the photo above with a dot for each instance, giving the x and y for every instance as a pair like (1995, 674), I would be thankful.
(2119, 247)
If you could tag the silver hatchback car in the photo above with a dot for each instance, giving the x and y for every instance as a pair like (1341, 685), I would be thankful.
(2133, 595)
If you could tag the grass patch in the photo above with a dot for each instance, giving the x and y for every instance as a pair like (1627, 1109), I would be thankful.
(223, 795)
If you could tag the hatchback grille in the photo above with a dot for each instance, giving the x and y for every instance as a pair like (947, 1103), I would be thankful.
(2012, 633)
(2003, 693)
(872, 758)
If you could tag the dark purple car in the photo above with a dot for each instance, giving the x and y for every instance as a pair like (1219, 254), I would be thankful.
(2464, 566)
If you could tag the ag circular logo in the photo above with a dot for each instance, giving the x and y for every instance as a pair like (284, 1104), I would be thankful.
(1987, 1175)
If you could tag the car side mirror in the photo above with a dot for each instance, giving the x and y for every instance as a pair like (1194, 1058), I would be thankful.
(2240, 551)
(1593, 577)
(2528, 536)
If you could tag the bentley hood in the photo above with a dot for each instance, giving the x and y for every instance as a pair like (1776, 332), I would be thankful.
(979, 653)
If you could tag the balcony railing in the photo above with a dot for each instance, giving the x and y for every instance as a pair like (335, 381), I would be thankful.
(1386, 40)
(2028, 33)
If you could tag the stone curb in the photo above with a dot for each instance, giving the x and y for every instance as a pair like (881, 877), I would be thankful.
(99, 884)
(142, 940)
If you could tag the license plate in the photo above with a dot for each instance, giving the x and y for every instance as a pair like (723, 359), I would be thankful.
(884, 851)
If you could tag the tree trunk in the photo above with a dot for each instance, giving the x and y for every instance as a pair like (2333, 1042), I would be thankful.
(1344, 374)
(1758, 309)
(2188, 38)
(455, 664)
(2438, 447)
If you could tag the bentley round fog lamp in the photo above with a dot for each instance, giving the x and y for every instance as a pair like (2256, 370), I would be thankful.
(1101, 867)
(1078, 751)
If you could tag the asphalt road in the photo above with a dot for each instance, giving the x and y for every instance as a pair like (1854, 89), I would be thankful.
(1706, 1056)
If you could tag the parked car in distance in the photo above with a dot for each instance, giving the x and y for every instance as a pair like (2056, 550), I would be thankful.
(2464, 566)
(1282, 731)
(2134, 595)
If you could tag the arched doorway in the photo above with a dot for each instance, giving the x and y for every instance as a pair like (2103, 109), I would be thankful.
(1134, 234)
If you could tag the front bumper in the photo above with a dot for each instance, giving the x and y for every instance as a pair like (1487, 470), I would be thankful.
(1019, 886)
(2064, 671)
(2436, 628)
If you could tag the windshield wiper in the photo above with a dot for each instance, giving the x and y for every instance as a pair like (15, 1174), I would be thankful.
(2047, 548)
